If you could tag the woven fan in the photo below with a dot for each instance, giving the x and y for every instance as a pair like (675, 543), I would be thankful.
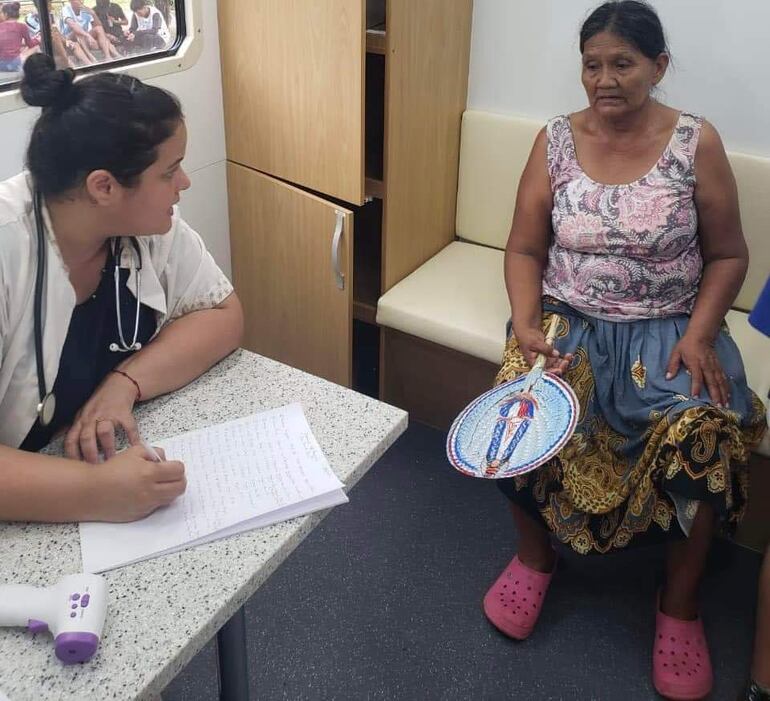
(517, 426)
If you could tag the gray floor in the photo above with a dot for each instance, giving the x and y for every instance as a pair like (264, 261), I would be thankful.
(382, 601)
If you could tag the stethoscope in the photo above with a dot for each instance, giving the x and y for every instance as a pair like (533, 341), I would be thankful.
(47, 406)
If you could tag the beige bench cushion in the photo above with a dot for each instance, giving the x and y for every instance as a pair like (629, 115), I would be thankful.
(458, 300)
(752, 175)
(494, 149)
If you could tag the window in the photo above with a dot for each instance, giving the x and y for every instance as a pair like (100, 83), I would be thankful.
(84, 34)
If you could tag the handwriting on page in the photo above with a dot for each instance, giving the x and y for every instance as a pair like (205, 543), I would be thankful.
(245, 467)
(260, 469)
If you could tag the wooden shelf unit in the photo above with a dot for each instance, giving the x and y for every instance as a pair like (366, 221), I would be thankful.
(355, 105)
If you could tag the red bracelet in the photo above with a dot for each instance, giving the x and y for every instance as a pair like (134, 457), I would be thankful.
(128, 377)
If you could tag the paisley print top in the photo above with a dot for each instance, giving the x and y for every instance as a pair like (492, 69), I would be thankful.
(625, 252)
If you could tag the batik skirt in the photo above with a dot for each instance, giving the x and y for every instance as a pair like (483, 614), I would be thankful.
(645, 453)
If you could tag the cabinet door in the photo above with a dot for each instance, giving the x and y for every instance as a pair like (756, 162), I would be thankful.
(292, 258)
(293, 82)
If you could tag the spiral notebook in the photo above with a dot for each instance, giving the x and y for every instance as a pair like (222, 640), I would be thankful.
(241, 475)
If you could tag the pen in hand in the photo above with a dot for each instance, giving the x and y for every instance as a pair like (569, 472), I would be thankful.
(153, 454)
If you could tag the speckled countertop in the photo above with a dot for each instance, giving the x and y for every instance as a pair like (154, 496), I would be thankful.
(163, 611)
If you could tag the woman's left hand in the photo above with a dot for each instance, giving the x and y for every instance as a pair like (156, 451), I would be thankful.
(701, 361)
(109, 407)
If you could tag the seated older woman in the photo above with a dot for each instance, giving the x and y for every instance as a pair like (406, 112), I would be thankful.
(627, 226)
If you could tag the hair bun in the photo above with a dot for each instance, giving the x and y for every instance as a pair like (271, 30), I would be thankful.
(45, 86)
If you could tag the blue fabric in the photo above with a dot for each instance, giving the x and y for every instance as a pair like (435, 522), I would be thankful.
(12, 65)
(614, 348)
(33, 22)
(760, 315)
(84, 18)
(645, 453)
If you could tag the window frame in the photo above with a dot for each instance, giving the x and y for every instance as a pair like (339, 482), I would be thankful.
(182, 55)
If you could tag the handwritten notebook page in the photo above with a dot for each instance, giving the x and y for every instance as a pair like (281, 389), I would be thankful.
(241, 475)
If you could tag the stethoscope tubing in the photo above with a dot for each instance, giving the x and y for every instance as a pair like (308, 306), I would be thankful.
(124, 347)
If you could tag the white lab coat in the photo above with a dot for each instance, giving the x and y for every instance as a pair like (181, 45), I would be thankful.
(178, 276)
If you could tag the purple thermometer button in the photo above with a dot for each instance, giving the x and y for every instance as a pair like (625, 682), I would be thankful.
(73, 614)
(74, 606)
(84, 601)
(75, 597)
(76, 647)
(36, 626)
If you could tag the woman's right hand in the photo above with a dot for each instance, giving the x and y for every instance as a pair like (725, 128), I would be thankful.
(532, 342)
(131, 486)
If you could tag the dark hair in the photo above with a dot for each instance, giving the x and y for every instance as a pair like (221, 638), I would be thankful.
(138, 4)
(633, 21)
(11, 10)
(105, 121)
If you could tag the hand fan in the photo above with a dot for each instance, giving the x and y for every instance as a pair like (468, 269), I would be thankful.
(517, 426)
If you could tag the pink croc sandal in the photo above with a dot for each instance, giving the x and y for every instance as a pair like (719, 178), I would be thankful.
(681, 666)
(513, 603)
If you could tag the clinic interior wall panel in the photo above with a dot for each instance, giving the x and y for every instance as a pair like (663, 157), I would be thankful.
(281, 239)
(525, 60)
(426, 87)
(199, 89)
(293, 81)
(15, 128)
(204, 208)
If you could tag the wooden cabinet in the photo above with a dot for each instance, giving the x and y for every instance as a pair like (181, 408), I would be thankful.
(291, 254)
(293, 82)
(337, 106)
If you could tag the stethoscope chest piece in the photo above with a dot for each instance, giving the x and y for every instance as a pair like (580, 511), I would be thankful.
(46, 409)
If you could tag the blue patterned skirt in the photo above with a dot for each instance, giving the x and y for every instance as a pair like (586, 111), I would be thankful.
(644, 453)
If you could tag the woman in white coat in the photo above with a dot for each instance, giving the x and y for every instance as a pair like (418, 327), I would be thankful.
(127, 302)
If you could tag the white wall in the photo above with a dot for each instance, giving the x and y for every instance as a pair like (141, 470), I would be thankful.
(199, 89)
(525, 60)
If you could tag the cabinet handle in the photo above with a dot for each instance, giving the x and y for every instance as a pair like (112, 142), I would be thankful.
(339, 276)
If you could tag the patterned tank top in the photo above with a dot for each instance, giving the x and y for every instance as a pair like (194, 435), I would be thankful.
(625, 252)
